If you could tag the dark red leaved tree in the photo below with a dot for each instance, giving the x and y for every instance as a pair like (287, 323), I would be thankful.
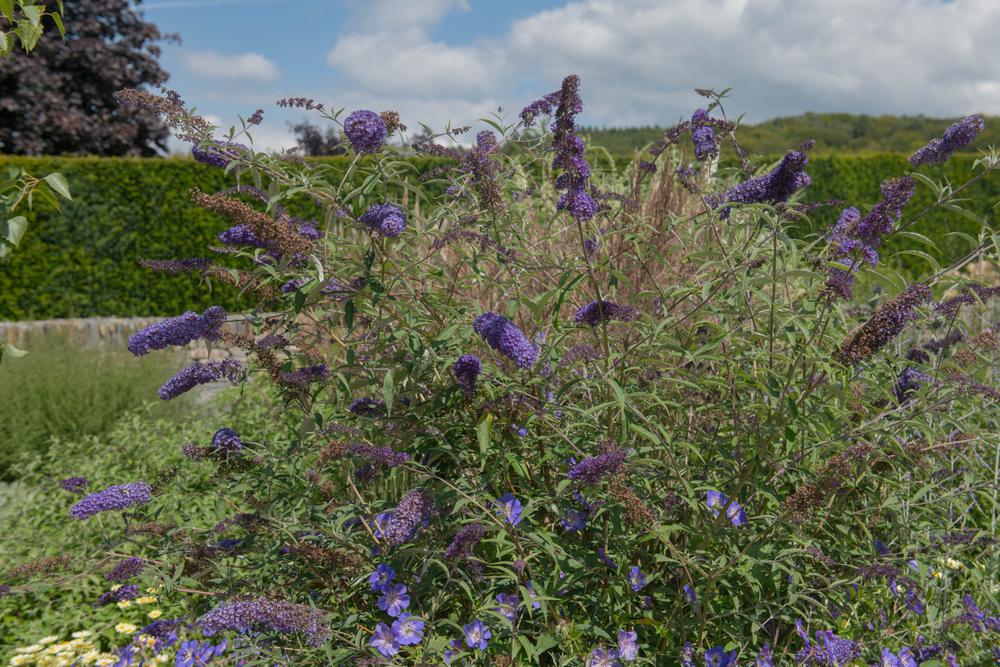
(59, 99)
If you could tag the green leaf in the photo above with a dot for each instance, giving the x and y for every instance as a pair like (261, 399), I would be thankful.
(14, 229)
(7, 8)
(388, 391)
(6, 43)
(34, 14)
(483, 434)
(57, 19)
(29, 34)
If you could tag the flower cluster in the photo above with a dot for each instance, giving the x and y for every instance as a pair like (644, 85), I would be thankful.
(854, 240)
(957, 136)
(200, 373)
(387, 219)
(179, 330)
(126, 569)
(113, 498)
(593, 469)
(272, 615)
(703, 135)
(883, 326)
(596, 312)
(365, 130)
(773, 187)
(467, 370)
(504, 337)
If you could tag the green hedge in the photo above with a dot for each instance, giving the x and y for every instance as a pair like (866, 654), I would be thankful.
(856, 180)
(84, 261)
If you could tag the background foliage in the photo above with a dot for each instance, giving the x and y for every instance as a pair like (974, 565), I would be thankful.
(83, 261)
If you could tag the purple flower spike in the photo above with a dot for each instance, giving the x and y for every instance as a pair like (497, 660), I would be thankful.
(227, 440)
(119, 594)
(269, 614)
(593, 469)
(200, 373)
(958, 135)
(504, 337)
(113, 498)
(773, 187)
(74, 484)
(179, 330)
(365, 130)
(218, 153)
(126, 569)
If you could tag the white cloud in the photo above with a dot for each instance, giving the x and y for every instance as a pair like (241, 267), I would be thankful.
(241, 66)
(640, 59)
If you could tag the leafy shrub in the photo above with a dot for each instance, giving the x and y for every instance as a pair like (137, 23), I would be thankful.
(600, 417)
(139, 444)
(64, 390)
(84, 262)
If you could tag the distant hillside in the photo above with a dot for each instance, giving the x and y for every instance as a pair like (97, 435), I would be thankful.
(833, 132)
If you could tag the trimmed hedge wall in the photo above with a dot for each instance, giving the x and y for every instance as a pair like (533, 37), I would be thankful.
(84, 261)
(856, 180)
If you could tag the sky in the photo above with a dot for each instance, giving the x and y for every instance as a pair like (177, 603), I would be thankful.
(441, 61)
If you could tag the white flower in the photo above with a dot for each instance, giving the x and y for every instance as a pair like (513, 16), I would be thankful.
(125, 628)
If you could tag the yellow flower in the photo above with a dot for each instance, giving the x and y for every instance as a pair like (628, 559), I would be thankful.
(116, 587)
(89, 658)
(124, 604)
(156, 613)
(954, 564)
(80, 634)
(153, 590)
(125, 628)
(146, 599)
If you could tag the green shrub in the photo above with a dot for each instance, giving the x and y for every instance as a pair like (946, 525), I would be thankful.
(140, 444)
(62, 389)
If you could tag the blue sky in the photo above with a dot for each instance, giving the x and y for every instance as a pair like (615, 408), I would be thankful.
(457, 60)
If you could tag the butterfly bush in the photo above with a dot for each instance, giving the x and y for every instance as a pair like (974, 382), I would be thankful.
(704, 431)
